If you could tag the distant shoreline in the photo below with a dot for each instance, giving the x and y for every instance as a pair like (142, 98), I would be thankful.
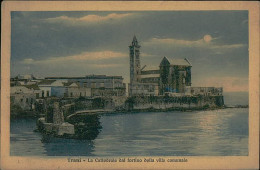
(30, 114)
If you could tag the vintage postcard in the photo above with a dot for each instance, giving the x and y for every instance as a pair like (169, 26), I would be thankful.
(130, 85)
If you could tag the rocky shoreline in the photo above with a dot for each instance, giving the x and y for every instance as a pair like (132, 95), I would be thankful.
(33, 114)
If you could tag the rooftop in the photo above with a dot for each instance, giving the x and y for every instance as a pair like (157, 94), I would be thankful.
(46, 82)
(54, 78)
(148, 68)
(70, 83)
(174, 62)
(32, 86)
(150, 76)
(92, 76)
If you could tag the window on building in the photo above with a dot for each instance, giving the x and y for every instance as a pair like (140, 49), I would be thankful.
(27, 100)
(102, 84)
(71, 94)
(48, 93)
(21, 100)
(93, 85)
(42, 93)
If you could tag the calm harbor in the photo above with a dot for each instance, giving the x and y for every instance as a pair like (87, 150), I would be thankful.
(200, 133)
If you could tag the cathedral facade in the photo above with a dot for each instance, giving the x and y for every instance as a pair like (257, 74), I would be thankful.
(171, 76)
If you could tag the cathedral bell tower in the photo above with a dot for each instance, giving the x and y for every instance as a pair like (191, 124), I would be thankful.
(135, 66)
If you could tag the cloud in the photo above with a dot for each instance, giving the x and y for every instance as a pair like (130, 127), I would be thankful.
(85, 56)
(200, 43)
(227, 46)
(229, 84)
(172, 41)
(28, 61)
(147, 55)
(106, 65)
(88, 18)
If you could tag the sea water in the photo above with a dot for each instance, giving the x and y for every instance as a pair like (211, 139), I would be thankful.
(222, 132)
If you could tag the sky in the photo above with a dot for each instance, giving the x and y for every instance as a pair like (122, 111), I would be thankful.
(79, 43)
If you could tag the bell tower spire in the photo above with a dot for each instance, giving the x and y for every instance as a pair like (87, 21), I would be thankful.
(135, 42)
(135, 65)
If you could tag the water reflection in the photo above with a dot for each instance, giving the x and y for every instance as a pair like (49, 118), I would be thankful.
(68, 147)
(211, 133)
(217, 132)
(86, 127)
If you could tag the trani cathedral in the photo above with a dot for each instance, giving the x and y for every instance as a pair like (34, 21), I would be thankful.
(171, 76)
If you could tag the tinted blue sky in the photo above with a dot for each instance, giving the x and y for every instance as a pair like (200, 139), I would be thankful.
(81, 43)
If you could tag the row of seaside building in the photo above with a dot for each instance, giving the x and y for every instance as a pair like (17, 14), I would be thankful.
(26, 89)
(170, 77)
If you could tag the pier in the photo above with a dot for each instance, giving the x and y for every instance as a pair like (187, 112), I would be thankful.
(90, 112)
